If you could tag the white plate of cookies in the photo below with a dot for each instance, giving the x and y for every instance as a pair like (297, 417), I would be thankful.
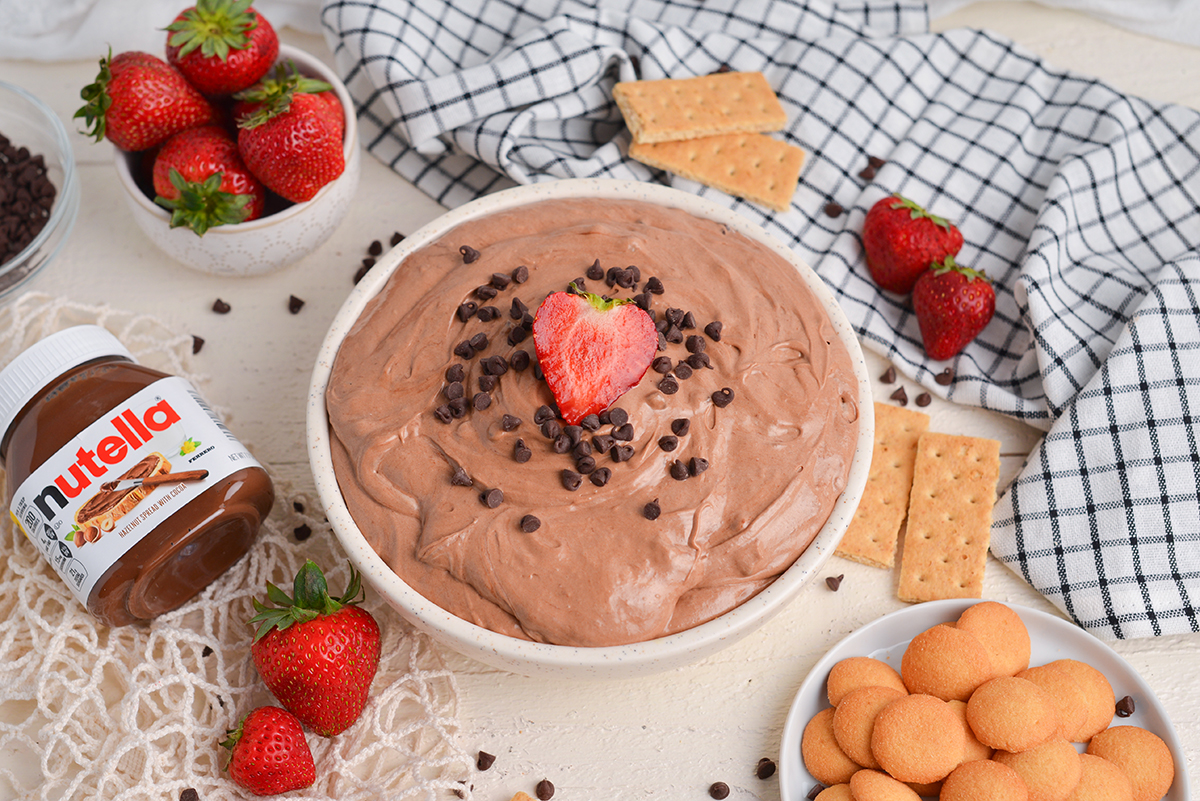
(962, 699)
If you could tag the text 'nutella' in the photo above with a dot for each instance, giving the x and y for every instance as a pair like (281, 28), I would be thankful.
(123, 478)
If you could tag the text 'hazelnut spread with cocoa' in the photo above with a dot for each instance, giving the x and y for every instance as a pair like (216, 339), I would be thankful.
(123, 478)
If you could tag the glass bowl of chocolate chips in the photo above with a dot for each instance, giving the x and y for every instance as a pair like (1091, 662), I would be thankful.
(39, 186)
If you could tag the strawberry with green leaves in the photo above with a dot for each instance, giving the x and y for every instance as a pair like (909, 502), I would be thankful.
(901, 239)
(316, 653)
(201, 179)
(269, 754)
(288, 134)
(953, 304)
(139, 101)
(592, 350)
(222, 46)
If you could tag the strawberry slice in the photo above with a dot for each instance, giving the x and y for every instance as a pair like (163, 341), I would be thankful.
(592, 349)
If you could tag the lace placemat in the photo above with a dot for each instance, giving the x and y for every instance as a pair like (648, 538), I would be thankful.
(138, 712)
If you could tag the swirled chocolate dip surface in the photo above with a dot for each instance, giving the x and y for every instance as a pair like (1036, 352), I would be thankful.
(597, 570)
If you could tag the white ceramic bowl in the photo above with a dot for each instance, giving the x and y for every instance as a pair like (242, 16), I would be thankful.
(270, 242)
(530, 658)
(28, 122)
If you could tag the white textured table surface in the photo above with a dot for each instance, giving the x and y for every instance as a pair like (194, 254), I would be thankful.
(667, 736)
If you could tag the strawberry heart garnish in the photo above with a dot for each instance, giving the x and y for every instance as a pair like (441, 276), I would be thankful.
(592, 350)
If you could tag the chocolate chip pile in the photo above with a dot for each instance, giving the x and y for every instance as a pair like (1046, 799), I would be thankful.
(607, 434)
(26, 198)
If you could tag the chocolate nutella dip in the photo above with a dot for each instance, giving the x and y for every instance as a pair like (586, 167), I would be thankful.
(688, 525)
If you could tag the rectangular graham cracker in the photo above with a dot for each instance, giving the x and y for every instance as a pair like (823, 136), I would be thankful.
(749, 165)
(949, 518)
(687, 108)
(872, 535)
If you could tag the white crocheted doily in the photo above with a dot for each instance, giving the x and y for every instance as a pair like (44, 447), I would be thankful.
(138, 712)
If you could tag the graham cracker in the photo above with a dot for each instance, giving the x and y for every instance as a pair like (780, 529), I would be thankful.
(687, 108)
(872, 535)
(949, 518)
(749, 165)
(520, 796)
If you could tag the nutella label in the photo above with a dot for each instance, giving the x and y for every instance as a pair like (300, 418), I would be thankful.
(123, 476)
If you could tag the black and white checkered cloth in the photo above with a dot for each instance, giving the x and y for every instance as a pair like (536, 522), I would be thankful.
(1081, 203)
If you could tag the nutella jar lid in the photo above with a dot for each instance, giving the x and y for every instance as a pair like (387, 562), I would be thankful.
(49, 358)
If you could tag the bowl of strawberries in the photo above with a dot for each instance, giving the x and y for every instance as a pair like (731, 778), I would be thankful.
(238, 155)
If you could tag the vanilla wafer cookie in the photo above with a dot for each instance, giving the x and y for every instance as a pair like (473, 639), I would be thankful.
(673, 109)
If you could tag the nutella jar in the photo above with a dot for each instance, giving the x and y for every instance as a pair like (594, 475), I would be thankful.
(123, 477)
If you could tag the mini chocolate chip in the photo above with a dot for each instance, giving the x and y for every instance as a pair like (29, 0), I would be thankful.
(197, 344)
(460, 478)
(488, 313)
(722, 397)
(900, 396)
(618, 416)
(585, 464)
(833, 209)
(495, 365)
(668, 386)
(466, 311)
(368, 262)
(361, 273)
(571, 480)
(519, 360)
(455, 372)
(500, 280)
(479, 341)
(520, 275)
(624, 451)
(610, 276)
(189, 794)
(562, 443)
(298, 506)
(625, 278)
(575, 433)
(544, 790)
(518, 309)
(695, 344)
(765, 768)
(464, 350)
(221, 307)
(815, 791)
(453, 390)
(945, 377)
(642, 301)
(302, 532)
(542, 414)
(680, 426)
(491, 498)
(654, 286)
(688, 322)
(697, 465)
(662, 342)
(683, 371)
(527, 321)
(510, 422)
(481, 401)
(623, 432)
(668, 443)
(485, 292)
(661, 325)
(679, 470)
(516, 336)
(295, 304)
(529, 524)
(834, 582)
(698, 360)
(486, 760)
(577, 286)
(458, 408)
(595, 272)
(605, 417)
(601, 476)
(591, 422)
(1125, 707)
(674, 316)
(867, 173)
(889, 376)
(443, 413)
(718, 790)
(652, 510)
(875, 161)
(396, 239)
(924, 399)
(551, 429)
(487, 383)
(469, 254)
(521, 451)
(713, 330)
(602, 442)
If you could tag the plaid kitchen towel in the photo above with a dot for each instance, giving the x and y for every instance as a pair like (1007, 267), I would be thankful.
(1081, 203)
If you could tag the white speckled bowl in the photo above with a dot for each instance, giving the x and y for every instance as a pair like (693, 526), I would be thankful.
(530, 658)
(268, 243)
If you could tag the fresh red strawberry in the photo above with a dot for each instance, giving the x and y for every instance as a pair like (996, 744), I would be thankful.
(222, 46)
(591, 350)
(317, 654)
(953, 304)
(901, 240)
(287, 137)
(200, 177)
(269, 754)
(139, 101)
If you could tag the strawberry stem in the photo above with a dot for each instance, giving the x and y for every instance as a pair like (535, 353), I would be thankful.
(950, 265)
(202, 205)
(917, 211)
(273, 96)
(311, 600)
(600, 303)
(96, 101)
(214, 26)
